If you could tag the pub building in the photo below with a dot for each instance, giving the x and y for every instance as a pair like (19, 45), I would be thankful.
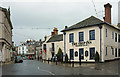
(90, 36)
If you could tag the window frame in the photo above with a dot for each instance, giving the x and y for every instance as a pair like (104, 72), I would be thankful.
(91, 35)
(112, 35)
(71, 37)
(115, 37)
(92, 57)
(81, 34)
(106, 51)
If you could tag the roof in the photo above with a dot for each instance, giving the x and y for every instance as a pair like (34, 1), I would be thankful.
(56, 38)
(91, 21)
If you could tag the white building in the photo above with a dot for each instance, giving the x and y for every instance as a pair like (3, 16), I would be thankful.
(52, 44)
(22, 50)
(90, 36)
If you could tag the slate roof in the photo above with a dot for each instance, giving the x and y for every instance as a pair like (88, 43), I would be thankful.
(56, 38)
(91, 21)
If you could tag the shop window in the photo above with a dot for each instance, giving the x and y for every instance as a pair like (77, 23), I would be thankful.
(92, 53)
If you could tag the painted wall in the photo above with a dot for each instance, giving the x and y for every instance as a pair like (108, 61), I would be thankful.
(109, 42)
(106, 42)
(57, 45)
(95, 43)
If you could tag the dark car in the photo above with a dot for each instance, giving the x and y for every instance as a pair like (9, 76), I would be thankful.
(18, 59)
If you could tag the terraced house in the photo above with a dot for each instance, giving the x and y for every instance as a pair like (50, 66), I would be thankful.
(5, 34)
(52, 44)
(84, 39)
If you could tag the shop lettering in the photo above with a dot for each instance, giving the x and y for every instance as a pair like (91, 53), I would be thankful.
(81, 43)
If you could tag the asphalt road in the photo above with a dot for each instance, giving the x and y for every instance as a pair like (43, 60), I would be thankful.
(33, 67)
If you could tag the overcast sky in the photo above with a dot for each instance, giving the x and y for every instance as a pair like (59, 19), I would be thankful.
(36, 18)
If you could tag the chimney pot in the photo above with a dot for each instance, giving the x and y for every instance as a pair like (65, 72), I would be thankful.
(65, 27)
(52, 33)
(45, 38)
(55, 31)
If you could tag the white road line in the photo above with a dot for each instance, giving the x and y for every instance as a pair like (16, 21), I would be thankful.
(46, 71)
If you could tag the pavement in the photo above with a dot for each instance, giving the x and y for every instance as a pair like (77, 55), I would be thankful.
(33, 67)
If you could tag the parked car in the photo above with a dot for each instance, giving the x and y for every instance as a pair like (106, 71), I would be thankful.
(18, 59)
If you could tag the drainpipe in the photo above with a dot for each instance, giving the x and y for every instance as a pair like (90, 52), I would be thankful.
(100, 27)
(64, 46)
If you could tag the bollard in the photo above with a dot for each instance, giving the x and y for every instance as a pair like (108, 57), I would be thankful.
(72, 63)
(48, 60)
(56, 60)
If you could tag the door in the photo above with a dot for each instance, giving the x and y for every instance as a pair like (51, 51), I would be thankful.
(81, 52)
(71, 54)
(92, 53)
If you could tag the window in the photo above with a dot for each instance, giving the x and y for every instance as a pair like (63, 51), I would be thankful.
(81, 36)
(106, 51)
(71, 37)
(92, 34)
(119, 38)
(115, 52)
(106, 32)
(112, 51)
(81, 53)
(112, 35)
(44, 46)
(92, 53)
(76, 54)
(53, 47)
(119, 53)
(115, 37)
(22, 48)
(71, 54)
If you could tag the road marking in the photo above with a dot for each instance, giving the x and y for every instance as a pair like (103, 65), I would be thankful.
(46, 71)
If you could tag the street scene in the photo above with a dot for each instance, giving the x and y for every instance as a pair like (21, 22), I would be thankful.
(32, 67)
(60, 38)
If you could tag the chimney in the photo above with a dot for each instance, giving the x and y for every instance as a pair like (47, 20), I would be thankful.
(40, 40)
(108, 13)
(65, 27)
(45, 38)
(52, 33)
(55, 31)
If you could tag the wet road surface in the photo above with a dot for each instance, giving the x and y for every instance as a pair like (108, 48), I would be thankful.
(33, 67)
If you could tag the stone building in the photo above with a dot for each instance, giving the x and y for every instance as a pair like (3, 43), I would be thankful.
(5, 34)
(83, 40)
